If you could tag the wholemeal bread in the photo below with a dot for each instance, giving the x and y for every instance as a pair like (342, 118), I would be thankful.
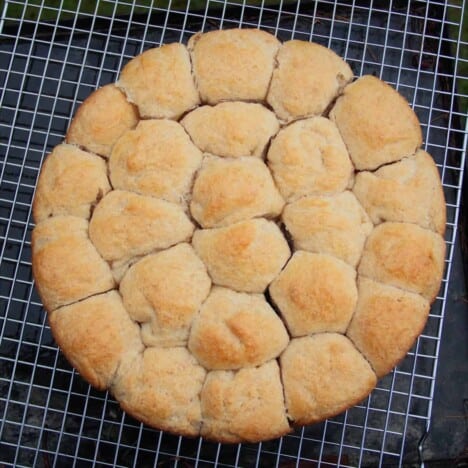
(386, 323)
(306, 80)
(322, 375)
(125, 225)
(406, 256)
(231, 129)
(408, 191)
(305, 293)
(78, 330)
(66, 265)
(376, 123)
(159, 81)
(101, 120)
(235, 330)
(225, 61)
(72, 182)
(230, 190)
(237, 239)
(246, 405)
(245, 256)
(335, 225)
(161, 387)
(309, 158)
(157, 159)
(163, 292)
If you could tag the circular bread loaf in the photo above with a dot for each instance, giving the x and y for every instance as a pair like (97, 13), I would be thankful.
(236, 238)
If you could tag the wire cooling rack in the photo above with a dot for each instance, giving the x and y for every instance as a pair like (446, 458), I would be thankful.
(51, 58)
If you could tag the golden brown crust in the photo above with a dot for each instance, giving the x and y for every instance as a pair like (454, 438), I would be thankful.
(101, 120)
(322, 376)
(309, 157)
(164, 292)
(245, 256)
(376, 123)
(231, 129)
(307, 79)
(125, 225)
(161, 387)
(78, 330)
(386, 323)
(307, 295)
(157, 159)
(244, 406)
(225, 62)
(335, 225)
(71, 183)
(230, 190)
(159, 81)
(66, 265)
(407, 191)
(406, 256)
(235, 330)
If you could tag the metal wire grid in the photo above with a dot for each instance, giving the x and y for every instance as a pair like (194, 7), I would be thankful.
(49, 415)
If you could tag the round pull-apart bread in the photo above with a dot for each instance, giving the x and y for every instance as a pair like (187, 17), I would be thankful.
(237, 237)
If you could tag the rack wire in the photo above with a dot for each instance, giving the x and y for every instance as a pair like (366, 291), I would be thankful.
(51, 58)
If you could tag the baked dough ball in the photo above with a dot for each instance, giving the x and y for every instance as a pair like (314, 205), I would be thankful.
(386, 323)
(245, 256)
(164, 292)
(408, 191)
(308, 297)
(78, 330)
(233, 64)
(306, 80)
(231, 129)
(322, 376)
(231, 190)
(125, 225)
(71, 183)
(159, 81)
(244, 406)
(235, 330)
(66, 265)
(376, 123)
(406, 256)
(309, 157)
(101, 120)
(157, 158)
(335, 225)
(161, 387)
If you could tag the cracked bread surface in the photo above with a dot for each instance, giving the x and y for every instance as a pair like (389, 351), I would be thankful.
(335, 225)
(376, 123)
(406, 191)
(227, 191)
(72, 182)
(101, 120)
(83, 322)
(231, 129)
(160, 83)
(233, 64)
(386, 323)
(157, 158)
(232, 257)
(235, 330)
(306, 80)
(309, 157)
(163, 292)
